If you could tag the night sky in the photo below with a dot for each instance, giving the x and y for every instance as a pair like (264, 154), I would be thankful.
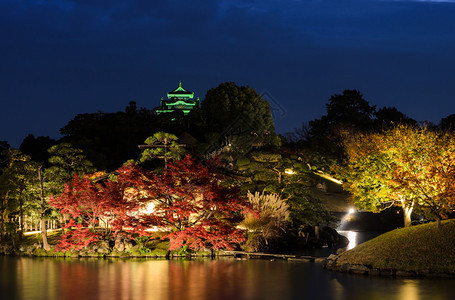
(61, 58)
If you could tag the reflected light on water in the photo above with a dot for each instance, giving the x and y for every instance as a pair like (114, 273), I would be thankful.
(339, 292)
(409, 290)
(221, 279)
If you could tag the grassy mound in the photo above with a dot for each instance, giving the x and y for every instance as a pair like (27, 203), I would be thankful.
(422, 247)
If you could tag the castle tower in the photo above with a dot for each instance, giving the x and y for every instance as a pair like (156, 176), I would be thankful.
(178, 99)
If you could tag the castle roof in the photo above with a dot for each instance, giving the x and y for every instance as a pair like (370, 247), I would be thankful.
(180, 92)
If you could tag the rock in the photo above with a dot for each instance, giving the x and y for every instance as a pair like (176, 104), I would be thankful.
(405, 273)
(127, 246)
(344, 267)
(441, 275)
(320, 260)
(103, 247)
(136, 253)
(103, 244)
(423, 273)
(387, 272)
(118, 245)
(332, 237)
(359, 269)
(374, 272)
(332, 257)
(301, 259)
(329, 265)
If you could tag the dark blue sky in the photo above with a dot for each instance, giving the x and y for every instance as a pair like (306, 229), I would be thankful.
(61, 58)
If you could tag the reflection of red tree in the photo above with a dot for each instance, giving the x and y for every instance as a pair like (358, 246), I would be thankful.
(77, 280)
(98, 279)
(223, 279)
(160, 279)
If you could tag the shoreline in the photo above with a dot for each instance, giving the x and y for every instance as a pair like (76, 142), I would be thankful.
(328, 263)
(368, 270)
(241, 255)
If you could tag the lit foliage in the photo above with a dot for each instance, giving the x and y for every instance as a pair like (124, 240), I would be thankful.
(411, 166)
(274, 216)
(268, 172)
(163, 145)
(17, 172)
(191, 208)
(87, 203)
(191, 204)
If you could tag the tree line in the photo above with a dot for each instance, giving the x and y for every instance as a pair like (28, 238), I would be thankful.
(261, 181)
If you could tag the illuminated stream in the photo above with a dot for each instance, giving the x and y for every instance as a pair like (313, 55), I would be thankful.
(352, 237)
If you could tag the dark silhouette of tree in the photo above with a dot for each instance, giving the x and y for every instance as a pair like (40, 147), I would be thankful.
(390, 116)
(447, 123)
(4, 145)
(348, 109)
(230, 110)
(225, 103)
(37, 148)
(110, 139)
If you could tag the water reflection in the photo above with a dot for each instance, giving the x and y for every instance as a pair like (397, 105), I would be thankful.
(27, 278)
(409, 290)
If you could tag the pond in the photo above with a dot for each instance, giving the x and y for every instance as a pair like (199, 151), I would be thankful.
(225, 278)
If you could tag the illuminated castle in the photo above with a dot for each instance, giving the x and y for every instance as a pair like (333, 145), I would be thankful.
(178, 100)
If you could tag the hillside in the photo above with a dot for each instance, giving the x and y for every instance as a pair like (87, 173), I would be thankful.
(422, 249)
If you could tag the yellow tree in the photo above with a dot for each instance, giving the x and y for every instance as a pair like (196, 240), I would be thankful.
(408, 166)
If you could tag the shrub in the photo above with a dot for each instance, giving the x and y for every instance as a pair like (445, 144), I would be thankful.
(271, 222)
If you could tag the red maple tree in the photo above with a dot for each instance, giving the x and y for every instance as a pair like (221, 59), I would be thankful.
(191, 207)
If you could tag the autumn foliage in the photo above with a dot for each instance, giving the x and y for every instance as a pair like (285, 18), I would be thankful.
(190, 207)
(409, 166)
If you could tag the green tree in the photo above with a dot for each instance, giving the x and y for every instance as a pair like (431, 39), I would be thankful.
(225, 103)
(161, 145)
(13, 182)
(290, 178)
(25, 185)
(230, 110)
(65, 161)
